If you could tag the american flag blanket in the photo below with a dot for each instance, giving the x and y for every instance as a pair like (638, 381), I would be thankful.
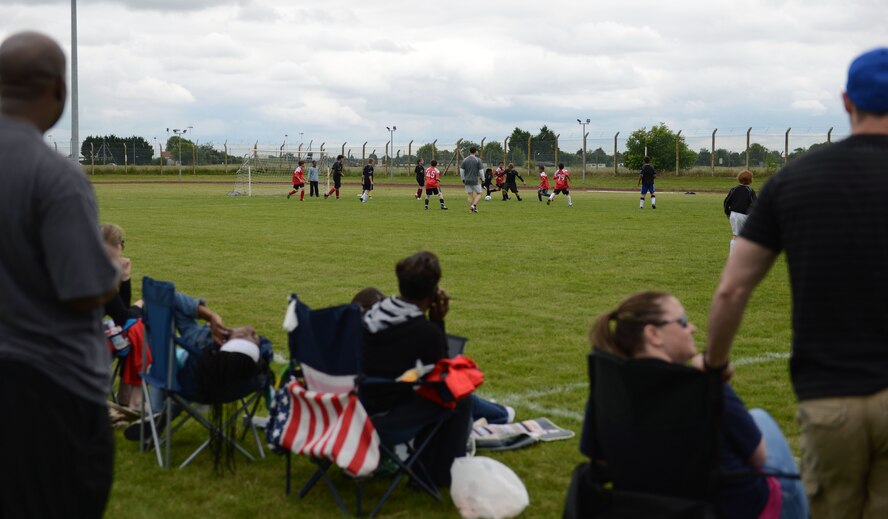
(332, 426)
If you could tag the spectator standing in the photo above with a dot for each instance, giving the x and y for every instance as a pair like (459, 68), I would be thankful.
(313, 179)
(827, 210)
(55, 276)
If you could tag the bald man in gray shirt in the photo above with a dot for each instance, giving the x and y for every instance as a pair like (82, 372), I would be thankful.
(55, 276)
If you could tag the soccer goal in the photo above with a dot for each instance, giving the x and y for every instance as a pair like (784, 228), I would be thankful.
(270, 174)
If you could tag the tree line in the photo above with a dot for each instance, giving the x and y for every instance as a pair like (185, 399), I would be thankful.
(135, 150)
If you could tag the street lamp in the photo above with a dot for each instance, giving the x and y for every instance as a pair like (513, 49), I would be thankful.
(584, 146)
(392, 141)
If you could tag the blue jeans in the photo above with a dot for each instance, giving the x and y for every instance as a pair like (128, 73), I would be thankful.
(493, 413)
(795, 501)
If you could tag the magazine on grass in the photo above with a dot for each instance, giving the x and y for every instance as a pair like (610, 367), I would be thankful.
(518, 434)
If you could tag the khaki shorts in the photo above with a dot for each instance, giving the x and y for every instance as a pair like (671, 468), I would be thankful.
(473, 188)
(845, 455)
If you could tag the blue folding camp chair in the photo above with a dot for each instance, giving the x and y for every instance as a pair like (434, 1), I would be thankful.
(163, 394)
(325, 350)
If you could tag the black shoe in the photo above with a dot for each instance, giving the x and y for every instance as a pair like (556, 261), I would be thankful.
(443, 207)
(426, 208)
(654, 206)
(132, 432)
(325, 196)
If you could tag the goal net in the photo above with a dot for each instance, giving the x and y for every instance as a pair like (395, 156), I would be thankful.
(271, 174)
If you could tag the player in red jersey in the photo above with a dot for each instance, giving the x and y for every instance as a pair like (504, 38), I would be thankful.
(543, 190)
(298, 181)
(432, 177)
(500, 180)
(562, 185)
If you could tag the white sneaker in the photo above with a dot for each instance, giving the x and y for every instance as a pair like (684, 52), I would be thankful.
(510, 414)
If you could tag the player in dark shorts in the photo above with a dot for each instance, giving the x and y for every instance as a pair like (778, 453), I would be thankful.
(646, 179)
(511, 184)
(432, 177)
(337, 170)
(420, 178)
(562, 185)
(488, 182)
(367, 180)
(500, 179)
(298, 181)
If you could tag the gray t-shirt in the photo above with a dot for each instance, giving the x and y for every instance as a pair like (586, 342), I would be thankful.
(50, 253)
(472, 170)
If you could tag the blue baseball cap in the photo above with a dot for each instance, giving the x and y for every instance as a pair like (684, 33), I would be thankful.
(868, 81)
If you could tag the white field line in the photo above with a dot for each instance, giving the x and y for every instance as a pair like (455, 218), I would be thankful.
(528, 399)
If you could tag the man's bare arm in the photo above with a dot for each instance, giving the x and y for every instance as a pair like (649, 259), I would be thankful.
(747, 266)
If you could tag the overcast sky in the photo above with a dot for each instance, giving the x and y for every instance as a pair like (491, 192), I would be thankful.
(343, 70)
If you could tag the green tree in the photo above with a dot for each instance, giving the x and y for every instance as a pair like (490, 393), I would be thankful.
(119, 150)
(660, 141)
(518, 142)
(493, 153)
(426, 152)
(543, 147)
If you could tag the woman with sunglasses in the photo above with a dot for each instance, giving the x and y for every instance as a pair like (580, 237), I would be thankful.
(653, 326)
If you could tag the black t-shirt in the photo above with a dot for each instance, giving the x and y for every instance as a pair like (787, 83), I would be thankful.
(420, 172)
(368, 173)
(827, 210)
(648, 173)
(739, 200)
(337, 170)
(510, 176)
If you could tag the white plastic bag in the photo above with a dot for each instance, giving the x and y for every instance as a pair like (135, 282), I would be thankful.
(483, 488)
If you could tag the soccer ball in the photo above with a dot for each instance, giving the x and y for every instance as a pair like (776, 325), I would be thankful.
(487, 198)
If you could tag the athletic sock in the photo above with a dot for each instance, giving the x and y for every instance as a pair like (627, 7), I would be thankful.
(641, 204)
(337, 193)
(653, 201)
(302, 195)
(427, 202)
(569, 201)
(731, 247)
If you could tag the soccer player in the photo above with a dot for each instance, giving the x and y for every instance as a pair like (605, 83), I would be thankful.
(298, 181)
(420, 179)
(646, 179)
(500, 180)
(511, 184)
(737, 205)
(432, 176)
(488, 181)
(544, 184)
(367, 180)
(337, 177)
(562, 185)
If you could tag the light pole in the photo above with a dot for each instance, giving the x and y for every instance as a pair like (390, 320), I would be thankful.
(179, 133)
(392, 141)
(583, 124)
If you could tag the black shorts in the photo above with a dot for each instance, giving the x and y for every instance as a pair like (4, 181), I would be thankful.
(337, 182)
(367, 187)
(420, 181)
(565, 191)
(511, 186)
(432, 191)
(298, 186)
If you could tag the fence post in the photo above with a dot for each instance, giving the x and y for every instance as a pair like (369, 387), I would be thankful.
(747, 146)
(256, 150)
(786, 147)
(506, 148)
(92, 155)
(481, 149)
(529, 144)
(615, 152)
(712, 155)
(557, 136)
(193, 156)
(829, 136)
(434, 148)
(224, 159)
(342, 150)
(677, 151)
(409, 154)
(125, 159)
(364, 155)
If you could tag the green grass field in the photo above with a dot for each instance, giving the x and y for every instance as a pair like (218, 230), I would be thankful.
(526, 282)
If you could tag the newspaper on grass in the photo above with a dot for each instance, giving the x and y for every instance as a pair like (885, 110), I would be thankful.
(517, 435)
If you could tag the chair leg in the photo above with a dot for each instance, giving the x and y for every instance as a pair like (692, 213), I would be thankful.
(289, 462)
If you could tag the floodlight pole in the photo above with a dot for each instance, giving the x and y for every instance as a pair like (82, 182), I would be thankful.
(179, 134)
(75, 111)
(583, 124)
(392, 141)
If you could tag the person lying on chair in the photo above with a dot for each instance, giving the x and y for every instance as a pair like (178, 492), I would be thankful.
(653, 327)
(396, 334)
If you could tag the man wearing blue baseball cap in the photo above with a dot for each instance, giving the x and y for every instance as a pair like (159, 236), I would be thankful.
(829, 211)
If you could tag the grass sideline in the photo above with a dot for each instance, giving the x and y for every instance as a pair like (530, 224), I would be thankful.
(527, 281)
